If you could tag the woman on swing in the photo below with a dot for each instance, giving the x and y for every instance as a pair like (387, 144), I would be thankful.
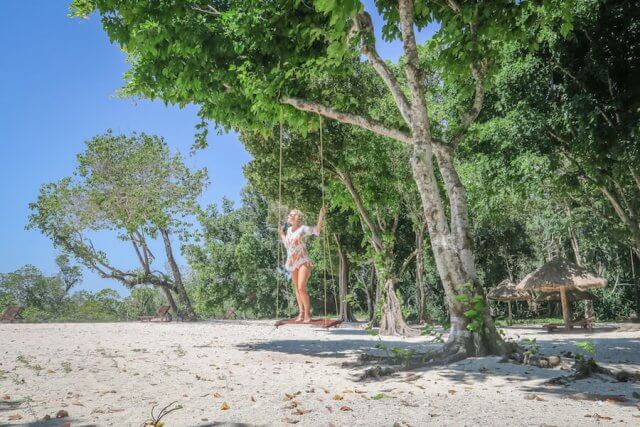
(298, 262)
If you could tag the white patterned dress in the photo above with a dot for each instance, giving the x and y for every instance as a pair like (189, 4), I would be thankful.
(296, 244)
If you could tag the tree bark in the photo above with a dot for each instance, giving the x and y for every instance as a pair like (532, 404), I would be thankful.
(170, 300)
(420, 288)
(345, 313)
(188, 313)
(392, 321)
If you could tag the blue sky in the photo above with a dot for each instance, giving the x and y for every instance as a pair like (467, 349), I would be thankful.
(58, 81)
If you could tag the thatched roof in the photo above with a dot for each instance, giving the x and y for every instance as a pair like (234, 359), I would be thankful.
(507, 291)
(560, 273)
(572, 295)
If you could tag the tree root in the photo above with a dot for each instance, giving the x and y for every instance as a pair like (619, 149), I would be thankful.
(445, 356)
(585, 368)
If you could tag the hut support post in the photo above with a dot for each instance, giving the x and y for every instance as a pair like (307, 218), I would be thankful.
(510, 316)
(565, 309)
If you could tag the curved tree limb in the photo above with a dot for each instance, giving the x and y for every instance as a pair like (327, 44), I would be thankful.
(348, 118)
(363, 25)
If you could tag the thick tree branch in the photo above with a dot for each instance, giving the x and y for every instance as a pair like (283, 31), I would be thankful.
(209, 10)
(348, 118)
(363, 27)
(467, 120)
(406, 262)
(376, 237)
(453, 5)
(419, 116)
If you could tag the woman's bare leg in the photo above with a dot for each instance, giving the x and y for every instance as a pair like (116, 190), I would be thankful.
(303, 277)
(294, 276)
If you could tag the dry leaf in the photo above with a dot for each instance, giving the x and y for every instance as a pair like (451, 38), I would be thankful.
(329, 408)
(452, 391)
(347, 391)
(224, 406)
(345, 408)
(337, 397)
(253, 399)
(290, 421)
(300, 411)
(6, 397)
(288, 396)
(217, 395)
(15, 417)
(292, 405)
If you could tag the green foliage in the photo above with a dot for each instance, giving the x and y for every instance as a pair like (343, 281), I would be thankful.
(587, 346)
(475, 309)
(531, 343)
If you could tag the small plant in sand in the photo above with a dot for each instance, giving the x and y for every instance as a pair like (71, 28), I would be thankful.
(531, 343)
(588, 347)
(156, 419)
(429, 330)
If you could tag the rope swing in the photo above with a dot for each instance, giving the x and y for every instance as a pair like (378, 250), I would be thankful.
(324, 322)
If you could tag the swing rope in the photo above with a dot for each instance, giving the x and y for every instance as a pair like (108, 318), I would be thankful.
(324, 235)
(279, 278)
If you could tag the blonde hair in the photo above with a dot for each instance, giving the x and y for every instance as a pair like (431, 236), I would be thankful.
(298, 213)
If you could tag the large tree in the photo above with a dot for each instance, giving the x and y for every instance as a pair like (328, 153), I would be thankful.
(240, 61)
(133, 186)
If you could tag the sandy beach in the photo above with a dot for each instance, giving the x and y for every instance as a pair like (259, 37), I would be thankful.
(113, 374)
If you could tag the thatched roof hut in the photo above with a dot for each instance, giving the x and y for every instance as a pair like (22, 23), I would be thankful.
(507, 291)
(560, 275)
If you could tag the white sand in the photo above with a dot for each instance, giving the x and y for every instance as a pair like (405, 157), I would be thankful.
(114, 373)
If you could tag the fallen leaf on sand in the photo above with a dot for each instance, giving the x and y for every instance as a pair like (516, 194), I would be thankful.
(300, 411)
(451, 391)
(253, 399)
(6, 397)
(292, 405)
(15, 417)
(290, 421)
(360, 391)
(62, 414)
(337, 397)
(288, 396)
(345, 408)
(329, 408)
(224, 406)
(217, 395)
(378, 396)
(347, 391)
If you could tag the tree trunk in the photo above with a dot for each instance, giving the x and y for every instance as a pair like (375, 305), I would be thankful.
(171, 301)
(392, 321)
(371, 286)
(345, 313)
(455, 266)
(420, 289)
(188, 314)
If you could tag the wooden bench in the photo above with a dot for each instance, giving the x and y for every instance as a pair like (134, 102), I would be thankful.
(12, 314)
(162, 315)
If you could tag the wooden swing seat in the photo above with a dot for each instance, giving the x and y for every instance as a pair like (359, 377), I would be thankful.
(322, 322)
